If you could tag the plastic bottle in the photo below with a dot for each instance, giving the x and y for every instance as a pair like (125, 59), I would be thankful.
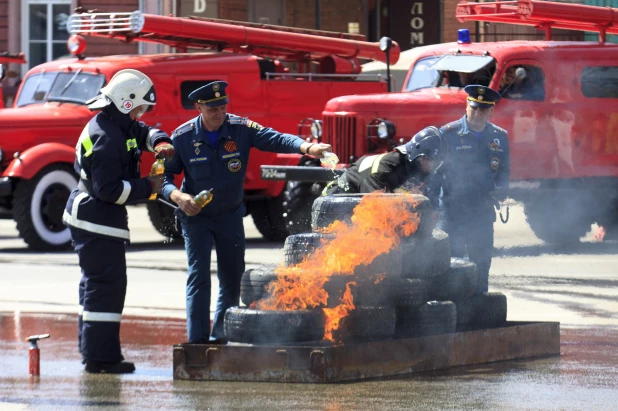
(330, 159)
(203, 198)
(158, 168)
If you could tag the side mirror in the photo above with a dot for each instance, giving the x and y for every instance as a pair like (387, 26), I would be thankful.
(2, 72)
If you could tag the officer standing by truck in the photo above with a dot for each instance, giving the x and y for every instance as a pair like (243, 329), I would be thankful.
(213, 151)
(107, 161)
(474, 178)
(408, 168)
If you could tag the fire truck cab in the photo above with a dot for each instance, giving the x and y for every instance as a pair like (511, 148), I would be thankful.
(559, 105)
(37, 147)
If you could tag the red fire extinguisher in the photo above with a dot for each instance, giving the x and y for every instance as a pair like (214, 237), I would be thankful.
(34, 354)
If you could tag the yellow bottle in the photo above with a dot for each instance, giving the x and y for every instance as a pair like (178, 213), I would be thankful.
(203, 198)
(158, 168)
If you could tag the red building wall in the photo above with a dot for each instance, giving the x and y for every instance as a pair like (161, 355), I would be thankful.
(4, 29)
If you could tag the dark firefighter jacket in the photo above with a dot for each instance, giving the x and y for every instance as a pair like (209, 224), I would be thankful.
(107, 161)
(221, 168)
(390, 172)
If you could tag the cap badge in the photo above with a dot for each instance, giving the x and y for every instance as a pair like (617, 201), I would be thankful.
(480, 98)
(481, 90)
(217, 94)
(215, 87)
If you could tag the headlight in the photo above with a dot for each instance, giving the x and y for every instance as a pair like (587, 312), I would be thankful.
(316, 129)
(386, 129)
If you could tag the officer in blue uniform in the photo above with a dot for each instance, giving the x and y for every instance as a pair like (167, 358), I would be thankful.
(474, 178)
(213, 150)
(107, 161)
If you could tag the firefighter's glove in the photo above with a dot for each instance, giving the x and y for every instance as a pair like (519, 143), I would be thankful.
(156, 182)
(164, 150)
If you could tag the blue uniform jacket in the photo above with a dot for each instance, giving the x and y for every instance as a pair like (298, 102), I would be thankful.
(474, 167)
(221, 168)
(107, 161)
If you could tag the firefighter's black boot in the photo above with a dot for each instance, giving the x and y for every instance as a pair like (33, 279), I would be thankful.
(123, 367)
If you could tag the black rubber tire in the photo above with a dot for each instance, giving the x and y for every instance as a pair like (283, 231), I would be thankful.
(458, 284)
(298, 246)
(268, 217)
(426, 257)
(482, 310)
(38, 206)
(254, 283)
(390, 292)
(339, 207)
(432, 318)
(367, 323)
(163, 220)
(555, 223)
(247, 325)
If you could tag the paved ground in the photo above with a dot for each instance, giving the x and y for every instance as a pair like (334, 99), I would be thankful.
(575, 286)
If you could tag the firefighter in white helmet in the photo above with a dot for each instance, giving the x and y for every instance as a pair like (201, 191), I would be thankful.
(107, 161)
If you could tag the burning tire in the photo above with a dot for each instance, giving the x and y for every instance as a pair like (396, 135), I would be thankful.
(38, 205)
(555, 223)
(163, 220)
(367, 323)
(432, 318)
(256, 326)
(459, 283)
(298, 246)
(254, 283)
(391, 292)
(339, 207)
(426, 258)
(482, 310)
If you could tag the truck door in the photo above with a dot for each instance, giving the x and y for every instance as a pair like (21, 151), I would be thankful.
(523, 112)
(596, 131)
(184, 86)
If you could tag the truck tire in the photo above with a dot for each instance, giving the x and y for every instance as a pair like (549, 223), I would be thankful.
(457, 284)
(163, 219)
(268, 218)
(247, 325)
(299, 198)
(555, 223)
(482, 310)
(298, 246)
(339, 207)
(38, 206)
(432, 318)
(426, 257)
(367, 323)
(254, 283)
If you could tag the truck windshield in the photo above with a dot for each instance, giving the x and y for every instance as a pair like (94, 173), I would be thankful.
(74, 87)
(451, 70)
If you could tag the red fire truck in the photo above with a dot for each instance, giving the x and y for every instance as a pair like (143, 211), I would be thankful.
(40, 131)
(559, 106)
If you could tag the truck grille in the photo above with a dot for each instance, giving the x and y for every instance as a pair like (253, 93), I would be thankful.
(340, 132)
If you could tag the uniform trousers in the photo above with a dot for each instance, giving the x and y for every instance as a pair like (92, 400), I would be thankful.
(228, 235)
(102, 291)
(471, 233)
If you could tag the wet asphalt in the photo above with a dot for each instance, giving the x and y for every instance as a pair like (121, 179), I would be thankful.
(576, 287)
(584, 376)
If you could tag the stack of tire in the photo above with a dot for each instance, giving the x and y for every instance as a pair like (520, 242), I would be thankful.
(412, 291)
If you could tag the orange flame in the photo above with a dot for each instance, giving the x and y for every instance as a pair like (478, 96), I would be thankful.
(335, 315)
(379, 278)
(376, 228)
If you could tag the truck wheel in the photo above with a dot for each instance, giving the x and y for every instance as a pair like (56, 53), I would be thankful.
(162, 218)
(558, 221)
(268, 218)
(299, 198)
(38, 205)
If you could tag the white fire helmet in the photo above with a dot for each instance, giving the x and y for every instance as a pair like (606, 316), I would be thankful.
(126, 90)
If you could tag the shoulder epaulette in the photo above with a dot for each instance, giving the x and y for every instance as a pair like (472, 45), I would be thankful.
(232, 119)
(498, 129)
(183, 129)
(449, 126)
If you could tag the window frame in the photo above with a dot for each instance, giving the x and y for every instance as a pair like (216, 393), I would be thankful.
(592, 67)
(25, 29)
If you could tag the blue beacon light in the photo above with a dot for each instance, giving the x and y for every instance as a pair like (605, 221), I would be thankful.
(463, 36)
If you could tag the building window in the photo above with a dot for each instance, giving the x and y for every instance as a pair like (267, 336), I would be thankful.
(45, 32)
